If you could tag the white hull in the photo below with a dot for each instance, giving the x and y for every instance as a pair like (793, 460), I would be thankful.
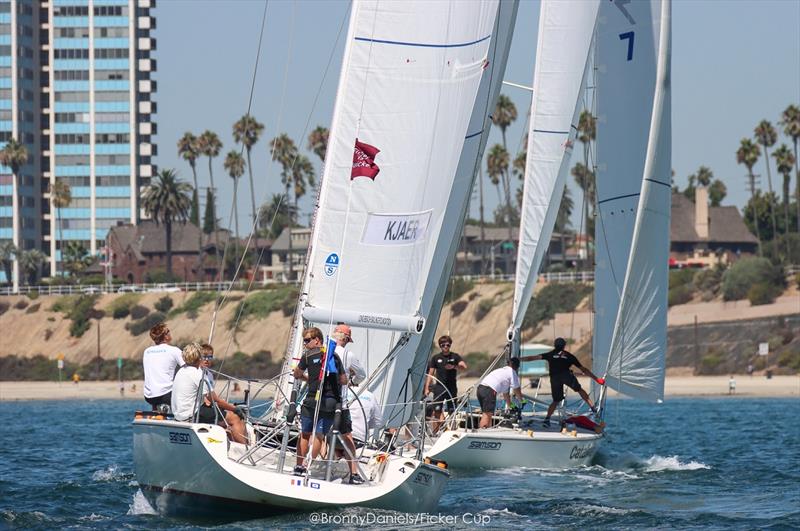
(185, 468)
(514, 447)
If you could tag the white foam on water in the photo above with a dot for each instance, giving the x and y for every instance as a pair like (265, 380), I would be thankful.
(140, 505)
(108, 474)
(602, 509)
(94, 517)
(500, 512)
(658, 463)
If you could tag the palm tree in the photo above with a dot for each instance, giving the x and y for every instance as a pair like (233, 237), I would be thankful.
(275, 216)
(790, 120)
(168, 200)
(76, 258)
(247, 131)
(318, 141)
(748, 154)
(234, 165)
(209, 144)
(785, 160)
(562, 220)
(505, 113)
(8, 253)
(717, 192)
(587, 133)
(189, 150)
(497, 162)
(31, 263)
(14, 155)
(60, 197)
(767, 136)
(285, 153)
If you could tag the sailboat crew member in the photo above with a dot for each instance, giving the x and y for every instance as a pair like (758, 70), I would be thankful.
(444, 366)
(560, 361)
(504, 381)
(160, 362)
(343, 335)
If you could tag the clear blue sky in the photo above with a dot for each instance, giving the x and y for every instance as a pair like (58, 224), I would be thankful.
(734, 63)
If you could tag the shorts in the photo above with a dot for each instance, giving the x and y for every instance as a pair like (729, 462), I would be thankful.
(558, 381)
(487, 398)
(324, 425)
(158, 400)
(346, 424)
(443, 398)
(207, 416)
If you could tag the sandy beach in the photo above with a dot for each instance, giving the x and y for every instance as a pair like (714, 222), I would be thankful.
(676, 386)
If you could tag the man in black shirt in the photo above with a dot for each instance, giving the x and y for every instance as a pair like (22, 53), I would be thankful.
(311, 369)
(444, 366)
(560, 362)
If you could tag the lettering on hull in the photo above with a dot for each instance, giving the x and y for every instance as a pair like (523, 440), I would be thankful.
(581, 452)
(484, 445)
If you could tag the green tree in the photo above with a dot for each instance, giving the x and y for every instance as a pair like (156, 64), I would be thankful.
(31, 263)
(209, 144)
(234, 165)
(14, 156)
(318, 141)
(505, 113)
(497, 161)
(757, 218)
(60, 197)
(247, 131)
(585, 177)
(8, 253)
(790, 120)
(784, 159)
(717, 192)
(748, 154)
(209, 215)
(275, 216)
(76, 258)
(767, 136)
(563, 220)
(167, 201)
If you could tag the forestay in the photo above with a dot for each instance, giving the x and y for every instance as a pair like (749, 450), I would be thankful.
(636, 363)
(562, 52)
(627, 37)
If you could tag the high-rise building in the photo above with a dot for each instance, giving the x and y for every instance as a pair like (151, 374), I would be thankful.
(79, 80)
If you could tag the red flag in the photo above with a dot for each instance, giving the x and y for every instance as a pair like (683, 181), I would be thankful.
(364, 161)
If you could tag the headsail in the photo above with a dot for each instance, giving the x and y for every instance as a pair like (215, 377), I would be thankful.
(627, 37)
(636, 362)
(562, 52)
(410, 77)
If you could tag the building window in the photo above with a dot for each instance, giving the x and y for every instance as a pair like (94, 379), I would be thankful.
(72, 138)
(113, 180)
(112, 75)
(103, 117)
(71, 75)
(111, 53)
(72, 96)
(68, 53)
(112, 138)
(72, 160)
(111, 96)
(71, 11)
(111, 11)
(72, 33)
(111, 32)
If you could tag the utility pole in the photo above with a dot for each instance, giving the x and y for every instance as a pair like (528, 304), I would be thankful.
(99, 359)
(696, 346)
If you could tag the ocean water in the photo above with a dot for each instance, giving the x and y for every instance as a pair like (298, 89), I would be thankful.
(687, 463)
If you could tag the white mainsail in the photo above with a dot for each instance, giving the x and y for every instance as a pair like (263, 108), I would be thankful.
(627, 37)
(636, 361)
(409, 80)
(562, 52)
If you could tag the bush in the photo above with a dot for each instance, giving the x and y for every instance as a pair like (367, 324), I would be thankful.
(82, 310)
(164, 304)
(762, 293)
(143, 325)
(33, 308)
(679, 295)
(4, 306)
(477, 362)
(289, 304)
(33, 295)
(458, 307)
(457, 287)
(261, 303)
(193, 304)
(160, 276)
(65, 303)
(139, 312)
(790, 359)
(21, 304)
(552, 299)
(120, 308)
(48, 333)
(710, 363)
(483, 309)
(680, 277)
(742, 275)
(708, 280)
(259, 365)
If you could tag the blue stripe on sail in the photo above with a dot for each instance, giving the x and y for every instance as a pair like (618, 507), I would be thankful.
(551, 132)
(617, 197)
(422, 44)
(659, 182)
(473, 135)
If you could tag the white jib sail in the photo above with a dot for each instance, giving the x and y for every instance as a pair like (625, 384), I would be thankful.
(636, 363)
(625, 68)
(408, 84)
(562, 52)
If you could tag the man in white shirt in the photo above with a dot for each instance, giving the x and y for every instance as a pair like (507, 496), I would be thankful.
(343, 335)
(365, 412)
(185, 391)
(160, 362)
(499, 381)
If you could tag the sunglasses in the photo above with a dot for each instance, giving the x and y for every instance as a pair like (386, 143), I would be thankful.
(445, 345)
(207, 358)
(307, 340)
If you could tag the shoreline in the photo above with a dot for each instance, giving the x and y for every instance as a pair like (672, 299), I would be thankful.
(675, 386)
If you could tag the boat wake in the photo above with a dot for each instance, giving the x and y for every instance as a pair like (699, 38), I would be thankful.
(111, 473)
(627, 463)
(140, 505)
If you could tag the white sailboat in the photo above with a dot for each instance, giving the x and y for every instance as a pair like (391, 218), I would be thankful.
(559, 79)
(382, 233)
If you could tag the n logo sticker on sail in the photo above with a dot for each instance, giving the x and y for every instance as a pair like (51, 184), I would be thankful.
(396, 229)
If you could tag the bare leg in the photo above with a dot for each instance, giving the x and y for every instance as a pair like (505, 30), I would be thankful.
(302, 448)
(551, 409)
(586, 398)
(351, 447)
(486, 420)
(317, 446)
